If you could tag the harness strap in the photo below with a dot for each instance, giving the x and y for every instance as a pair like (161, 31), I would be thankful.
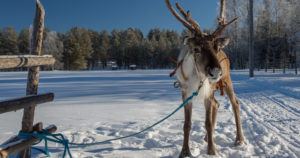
(173, 59)
(177, 66)
(182, 72)
(223, 60)
(220, 84)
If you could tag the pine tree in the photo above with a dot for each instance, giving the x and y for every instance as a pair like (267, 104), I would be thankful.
(95, 38)
(174, 51)
(9, 43)
(104, 47)
(154, 34)
(146, 53)
(128, 41)
(139, 34)
(115, 47)
(78, 49)
(23, 41)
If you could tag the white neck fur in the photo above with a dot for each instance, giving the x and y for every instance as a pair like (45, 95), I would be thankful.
(194, 77)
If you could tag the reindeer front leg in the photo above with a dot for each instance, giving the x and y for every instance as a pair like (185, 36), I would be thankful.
(209, 124)
(186, 128)
(236, 109)
(214, 115)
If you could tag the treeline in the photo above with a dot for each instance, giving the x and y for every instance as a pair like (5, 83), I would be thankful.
(82, 49)
(276, 33)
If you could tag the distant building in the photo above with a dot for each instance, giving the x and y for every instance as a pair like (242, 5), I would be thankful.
(110, 65)
(132, 67)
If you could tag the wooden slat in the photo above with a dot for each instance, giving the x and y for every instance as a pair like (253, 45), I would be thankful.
(20, 103)
(14, 147)
(7, 62)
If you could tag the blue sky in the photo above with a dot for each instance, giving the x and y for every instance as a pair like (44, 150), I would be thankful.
(62, 15)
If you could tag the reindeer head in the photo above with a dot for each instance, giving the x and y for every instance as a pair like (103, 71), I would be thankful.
(204, 47)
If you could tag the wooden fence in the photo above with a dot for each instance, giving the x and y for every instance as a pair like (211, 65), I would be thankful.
(28, 103)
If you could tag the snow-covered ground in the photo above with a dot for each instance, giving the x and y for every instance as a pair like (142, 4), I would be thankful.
(92, 106)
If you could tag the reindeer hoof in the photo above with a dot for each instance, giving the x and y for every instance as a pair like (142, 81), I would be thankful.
(240, 141)
(211, 152)
(185, 153)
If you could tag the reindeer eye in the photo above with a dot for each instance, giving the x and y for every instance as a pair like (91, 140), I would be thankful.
(197, 50)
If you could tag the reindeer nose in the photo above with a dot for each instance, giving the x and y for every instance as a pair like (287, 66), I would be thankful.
(215, 73)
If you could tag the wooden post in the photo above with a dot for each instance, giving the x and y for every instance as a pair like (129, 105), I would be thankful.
(21, 103)
(33, 72)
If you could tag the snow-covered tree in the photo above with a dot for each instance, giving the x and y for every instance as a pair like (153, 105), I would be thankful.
(52, 45)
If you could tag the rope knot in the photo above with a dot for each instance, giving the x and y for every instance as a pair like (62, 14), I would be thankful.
(195, 93)
(46, 136)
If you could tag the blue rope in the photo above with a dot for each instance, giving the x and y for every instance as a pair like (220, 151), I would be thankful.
(46, 136)
(59, 138)
(134, 134)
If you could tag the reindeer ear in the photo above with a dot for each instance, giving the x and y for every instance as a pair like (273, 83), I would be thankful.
(222, 42)
(186, 40)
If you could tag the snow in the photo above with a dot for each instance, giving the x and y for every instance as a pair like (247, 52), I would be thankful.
(93, 106)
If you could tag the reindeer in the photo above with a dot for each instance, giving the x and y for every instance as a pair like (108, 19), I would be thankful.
(202, 65)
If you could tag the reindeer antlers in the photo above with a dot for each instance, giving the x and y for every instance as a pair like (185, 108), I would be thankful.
(222, 20)
(193, 26)
(189, 23)
(187, 16)
(222, 27)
